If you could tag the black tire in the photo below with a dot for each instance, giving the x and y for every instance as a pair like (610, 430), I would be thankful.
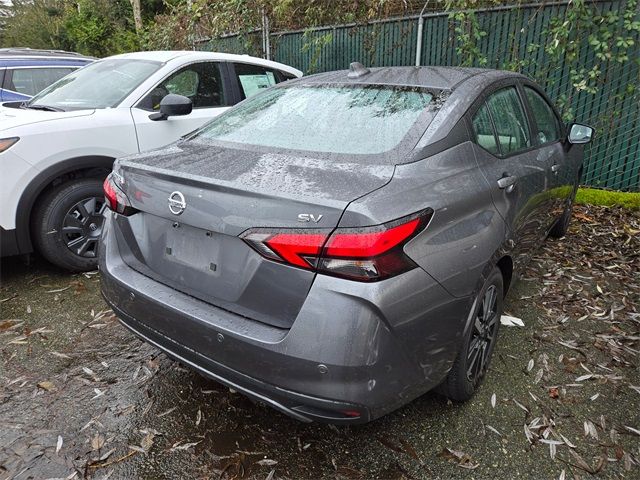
(467, 372)
(561, 226)
(67, 223)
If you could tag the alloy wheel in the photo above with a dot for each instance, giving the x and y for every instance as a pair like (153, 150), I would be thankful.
(483, 336)
(82, 226)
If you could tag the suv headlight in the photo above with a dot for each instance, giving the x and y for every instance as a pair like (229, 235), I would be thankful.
(6, 143)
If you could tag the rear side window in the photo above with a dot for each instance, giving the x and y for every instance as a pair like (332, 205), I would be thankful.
(548, 127)
(483, 130)
(200, 82)
(30, 81)
(511, 124)
(253, 79)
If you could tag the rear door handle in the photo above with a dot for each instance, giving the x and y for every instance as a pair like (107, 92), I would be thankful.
(555, 168)
(507, 182)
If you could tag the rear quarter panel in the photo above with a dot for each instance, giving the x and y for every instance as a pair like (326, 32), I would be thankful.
(456, 249)
(465, 232)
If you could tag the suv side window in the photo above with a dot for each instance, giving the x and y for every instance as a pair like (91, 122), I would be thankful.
(546, 121)
(254, 78)
(200, 82)
(510, 121)
(485, 135)
(30, 81)
(287, 76)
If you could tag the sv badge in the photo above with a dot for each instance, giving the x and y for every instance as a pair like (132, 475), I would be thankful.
(309, 217)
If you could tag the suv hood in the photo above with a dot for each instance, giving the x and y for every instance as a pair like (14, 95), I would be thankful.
(11, 117)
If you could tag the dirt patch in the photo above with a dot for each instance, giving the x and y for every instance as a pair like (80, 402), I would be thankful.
(81, 396)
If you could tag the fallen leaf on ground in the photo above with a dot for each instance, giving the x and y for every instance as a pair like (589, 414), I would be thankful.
(147, 441)
(509, 321)
(460, 458)
(47, 385)
(97, 442)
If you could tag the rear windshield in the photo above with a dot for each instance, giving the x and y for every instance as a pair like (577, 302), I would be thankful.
(341, 119)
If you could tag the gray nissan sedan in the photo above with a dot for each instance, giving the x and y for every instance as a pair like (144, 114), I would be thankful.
(340, 244)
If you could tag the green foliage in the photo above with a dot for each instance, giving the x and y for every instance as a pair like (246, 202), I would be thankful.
(35, 24)
(185, 23)
(467, 32)
(610, 35)
(92, 27)
(315, 43)
(101, 27)
(608, 198)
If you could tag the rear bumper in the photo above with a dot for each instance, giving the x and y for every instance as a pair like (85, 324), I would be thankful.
(355, 351)
(300, 407)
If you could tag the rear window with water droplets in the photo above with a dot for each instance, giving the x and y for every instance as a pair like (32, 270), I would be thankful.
(341, 120)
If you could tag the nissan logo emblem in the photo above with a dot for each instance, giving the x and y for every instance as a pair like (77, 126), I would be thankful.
(177, 203)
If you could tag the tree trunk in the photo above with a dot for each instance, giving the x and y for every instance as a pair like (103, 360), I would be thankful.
(137, 15)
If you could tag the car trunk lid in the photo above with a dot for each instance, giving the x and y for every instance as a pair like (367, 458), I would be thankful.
(227, 191)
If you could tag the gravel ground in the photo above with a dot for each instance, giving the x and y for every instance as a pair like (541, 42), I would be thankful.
(81, 397)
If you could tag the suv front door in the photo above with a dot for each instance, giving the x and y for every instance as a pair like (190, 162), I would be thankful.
(205, 83)
(515, 173)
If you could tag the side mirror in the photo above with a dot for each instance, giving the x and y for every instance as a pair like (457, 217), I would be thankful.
(172, 105)
(579, 134)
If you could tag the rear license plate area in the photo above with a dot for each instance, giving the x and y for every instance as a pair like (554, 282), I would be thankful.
(191, 247)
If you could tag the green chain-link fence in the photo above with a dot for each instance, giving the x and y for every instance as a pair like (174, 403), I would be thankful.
(526, 38)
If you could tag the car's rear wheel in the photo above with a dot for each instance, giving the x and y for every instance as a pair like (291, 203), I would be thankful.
(473, 360)
(68, 222)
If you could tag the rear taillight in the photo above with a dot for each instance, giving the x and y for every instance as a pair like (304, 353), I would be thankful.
(366, 254)
(115, 197)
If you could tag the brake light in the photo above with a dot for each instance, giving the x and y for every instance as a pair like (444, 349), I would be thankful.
(115, 197)
(364, 254)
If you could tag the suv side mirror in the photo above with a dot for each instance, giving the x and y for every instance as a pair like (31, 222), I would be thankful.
(172, 105)
(579, 133)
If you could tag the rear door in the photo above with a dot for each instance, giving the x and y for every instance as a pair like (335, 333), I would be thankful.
(512, 166)
(548, 133)
(205, 83)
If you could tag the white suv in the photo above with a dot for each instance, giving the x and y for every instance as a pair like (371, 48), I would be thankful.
(57, 148)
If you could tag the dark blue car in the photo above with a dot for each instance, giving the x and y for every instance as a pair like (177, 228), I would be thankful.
(25, 72)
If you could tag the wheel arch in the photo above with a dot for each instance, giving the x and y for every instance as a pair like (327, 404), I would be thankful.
(505, 264)
(77, 167)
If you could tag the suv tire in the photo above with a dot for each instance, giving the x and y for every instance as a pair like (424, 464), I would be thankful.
(67, 224)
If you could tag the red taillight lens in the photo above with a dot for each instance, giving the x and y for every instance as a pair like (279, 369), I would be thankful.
(115, 198)
(363, 254)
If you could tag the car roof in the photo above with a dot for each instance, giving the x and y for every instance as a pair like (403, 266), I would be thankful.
(431, 77)
(165, 56)
(32, 53)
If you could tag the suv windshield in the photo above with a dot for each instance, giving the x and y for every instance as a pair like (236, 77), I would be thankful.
(330, 119)
(102, 84)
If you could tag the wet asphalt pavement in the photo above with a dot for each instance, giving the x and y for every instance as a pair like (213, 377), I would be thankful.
(81, 397)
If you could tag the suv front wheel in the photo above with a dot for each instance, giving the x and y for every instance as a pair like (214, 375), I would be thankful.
(68, 222)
